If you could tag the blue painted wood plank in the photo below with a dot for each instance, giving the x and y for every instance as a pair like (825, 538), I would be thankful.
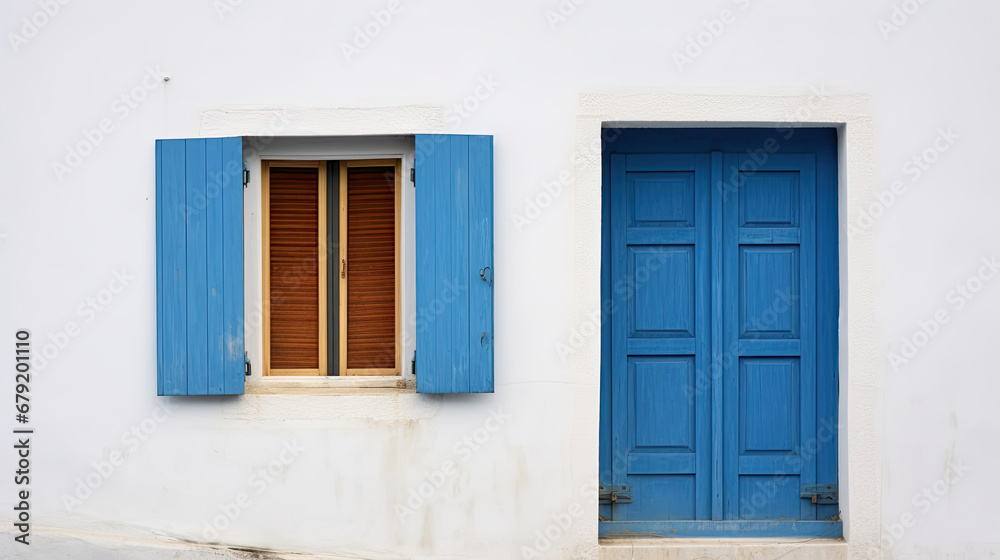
(481, 259)
(782, 235)
(660, 236)
(215, 337)
(232, 266)
(197, 267)
(158, 202)
(828, 307)
(770, 464)
(718, 359)
(769, 347)
(639, 163)
(641, 346)
(662, 463)
(444, 173)
(703, 326)
(807, 367)
(730, 318)
(427, 239)
(722, 529)
(620, 410)
(458, 264)
(172, 321)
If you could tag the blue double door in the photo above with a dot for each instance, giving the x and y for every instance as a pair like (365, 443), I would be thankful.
(721, 357)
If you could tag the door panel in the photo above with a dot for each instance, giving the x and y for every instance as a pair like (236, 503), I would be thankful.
(660, 235)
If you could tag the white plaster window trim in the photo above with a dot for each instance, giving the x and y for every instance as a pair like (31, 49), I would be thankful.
(860, 365)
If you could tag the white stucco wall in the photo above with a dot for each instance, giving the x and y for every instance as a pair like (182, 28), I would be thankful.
(540, 77)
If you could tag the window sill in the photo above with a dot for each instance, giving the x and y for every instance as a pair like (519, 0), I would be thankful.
(331, 385)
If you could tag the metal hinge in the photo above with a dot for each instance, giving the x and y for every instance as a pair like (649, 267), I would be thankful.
(246, 181)
(614, 494)
(414, 364)
(821, 493)
(413, 176)
(246, 364)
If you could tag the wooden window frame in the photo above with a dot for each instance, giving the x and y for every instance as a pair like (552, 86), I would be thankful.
(343, 370)
(322, 264)
(323, 370)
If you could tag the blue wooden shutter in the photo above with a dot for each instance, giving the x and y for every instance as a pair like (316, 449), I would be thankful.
(454, 243)
(199, 266)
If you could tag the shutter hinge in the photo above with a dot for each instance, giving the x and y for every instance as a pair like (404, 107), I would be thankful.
(413, 177)
(246, 364)
(821, 493)
(246, 181)
(414, 364)
(614, 494)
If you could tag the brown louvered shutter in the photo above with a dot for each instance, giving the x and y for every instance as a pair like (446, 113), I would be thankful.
(371, 269)
(294, 221)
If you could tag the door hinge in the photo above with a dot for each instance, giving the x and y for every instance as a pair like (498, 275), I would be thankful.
(246, 178)
(820, 493)
(614, 494)
(246, 364)
(413, 176)
(413, 364)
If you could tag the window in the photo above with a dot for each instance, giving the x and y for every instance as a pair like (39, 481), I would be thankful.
(331, 267)
(330, 261)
